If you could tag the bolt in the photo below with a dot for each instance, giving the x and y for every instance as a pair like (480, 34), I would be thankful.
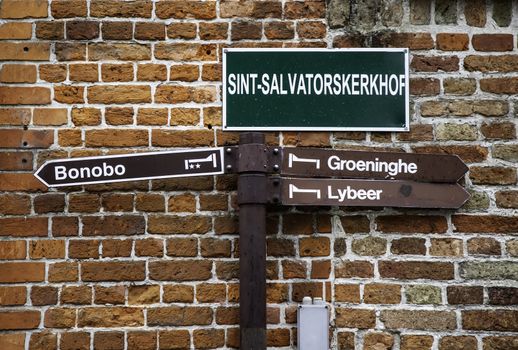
(275, 151)
(276, 182)
(229, 167)
(229, 150)
(276, 167)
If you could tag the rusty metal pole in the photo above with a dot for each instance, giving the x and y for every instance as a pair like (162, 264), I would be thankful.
(252, 198)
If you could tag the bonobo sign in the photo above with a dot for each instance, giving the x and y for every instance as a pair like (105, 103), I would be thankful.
(315, 89)
(127, 167)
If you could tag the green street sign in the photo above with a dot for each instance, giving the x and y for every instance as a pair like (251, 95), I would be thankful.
(315, 89)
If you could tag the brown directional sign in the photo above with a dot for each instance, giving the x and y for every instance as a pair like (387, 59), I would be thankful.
(371, 193)
(129, 167)
(313, 162)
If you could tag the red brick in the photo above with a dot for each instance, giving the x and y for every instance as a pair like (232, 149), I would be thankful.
(30, 9)
(500, 85)
(115, 8)
(411, 224)
(16, 30)
(24, 51)
(113, 271)
(185, 270)
(492, 42)
(452, 42)
(490, 320)
(179, 316)
(10, 296)
(186, 10)
(110, 317)
(12, 320)
(416, 270)
(75, 341)
(355, 318)
(68, 8)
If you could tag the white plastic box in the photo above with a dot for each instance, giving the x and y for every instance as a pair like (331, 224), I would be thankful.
(313, 325)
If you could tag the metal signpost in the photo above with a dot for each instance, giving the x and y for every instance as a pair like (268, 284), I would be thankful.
(128, 167)
(315, 89)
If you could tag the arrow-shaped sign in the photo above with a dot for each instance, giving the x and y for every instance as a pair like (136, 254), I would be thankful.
(371, 193)
(129, 167)
(313, 162)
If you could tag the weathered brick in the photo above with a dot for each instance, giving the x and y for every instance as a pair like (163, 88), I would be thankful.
(109, 340)
(424, 86)
(492, 175)
(475, 12)
(142, 340)
(500, 85)
(355, 318)
(43, 340)
(82, 30)
(490, 320)
(112, 271)
(411, 224)
(29, 9)
(483, 246)
(18, 73)
(14, 204)
(416, 342)
(186, 52)
(63, 272)
(15, 30)
(115, 8)
(452, 42)
(173, 94)
(117, 30)
(12, 250)
(182, 138)
(416, 270)
(118, 51)
(186, 10)
(21, 272)
(506, 130)
(68, 8)
(75, 341)
(503, 295)
(505, 199)
(414, 41)
(12, 320)
(110, 317)
(457, 342)
(494, 270)
(419, 319)
(15, 161)
(48, 249)
(369, 246)
(116, 138)
(500, 342)
(78, 295)
(174, 339)
(378, 293)
(60, 318)
(213, 30)
(179, 316)
(465, 295)
(149, 31)
(446, 247)
(492, 42)
(181, 30)
(488, 64)
(315, 246)
(348, 269)
(459, 86)
(185, 270)
(435, 63)
(423, 294)
(411, 246)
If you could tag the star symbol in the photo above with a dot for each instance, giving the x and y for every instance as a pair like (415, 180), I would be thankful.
(198, 165)
(191, 166)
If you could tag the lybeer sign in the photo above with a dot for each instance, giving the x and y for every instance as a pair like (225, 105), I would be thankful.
(315, 89)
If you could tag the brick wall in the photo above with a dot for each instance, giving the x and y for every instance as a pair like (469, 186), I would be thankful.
(153, 265)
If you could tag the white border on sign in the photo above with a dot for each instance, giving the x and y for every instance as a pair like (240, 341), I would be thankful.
(406, 127)
(216, 149)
